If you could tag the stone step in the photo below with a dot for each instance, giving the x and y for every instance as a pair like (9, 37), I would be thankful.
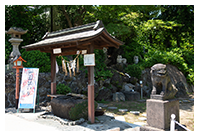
(144, 114)
(112, 108)
(102, 105)
(123, 110)
(135, 112)
(142, 118)
(120, 118)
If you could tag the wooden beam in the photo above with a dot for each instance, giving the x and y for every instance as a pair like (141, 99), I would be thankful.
(66, 53)
(109, 42)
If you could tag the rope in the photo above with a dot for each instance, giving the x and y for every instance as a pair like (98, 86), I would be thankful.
(69, 65)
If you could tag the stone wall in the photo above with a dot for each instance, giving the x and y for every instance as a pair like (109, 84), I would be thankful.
(10, 85)
(104, 89)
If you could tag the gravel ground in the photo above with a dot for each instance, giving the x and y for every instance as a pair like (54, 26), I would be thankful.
(31, 121)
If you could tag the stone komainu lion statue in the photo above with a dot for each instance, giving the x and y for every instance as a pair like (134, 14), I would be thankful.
(162, 86)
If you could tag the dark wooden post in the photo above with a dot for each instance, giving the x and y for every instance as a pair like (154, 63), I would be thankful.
(91, 104)
(53, 74)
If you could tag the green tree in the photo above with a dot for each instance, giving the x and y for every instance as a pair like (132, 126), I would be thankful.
(157, 33)
(181, 14)
(31, 18)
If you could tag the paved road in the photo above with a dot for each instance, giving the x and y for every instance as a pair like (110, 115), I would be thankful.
(30, 122)
(14, 123)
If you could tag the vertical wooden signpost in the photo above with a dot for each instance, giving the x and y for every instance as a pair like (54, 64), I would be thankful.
(53, 73)
(89, 61)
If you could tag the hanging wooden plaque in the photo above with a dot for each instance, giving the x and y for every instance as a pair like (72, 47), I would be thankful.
(57, 51)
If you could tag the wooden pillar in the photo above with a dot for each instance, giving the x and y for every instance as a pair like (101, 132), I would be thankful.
(17, 88)
(91, 104)
(53, 74)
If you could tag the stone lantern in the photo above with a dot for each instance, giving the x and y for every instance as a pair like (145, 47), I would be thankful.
(15, 41)
(15, 56)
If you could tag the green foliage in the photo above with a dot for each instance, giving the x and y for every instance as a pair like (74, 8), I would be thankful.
(163, 30)
(178, 13)
(119, 30)
(134, 70)
(29, 18)
(157, 33)
(63, 89)
(101, 71)
(131, 50)
(103, 74)
(103, 101)
(175, 57)
(8, 49)
(80, 111)
(37, 59)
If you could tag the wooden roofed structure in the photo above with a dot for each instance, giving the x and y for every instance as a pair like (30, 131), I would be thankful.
(77, 38)
(85, 37)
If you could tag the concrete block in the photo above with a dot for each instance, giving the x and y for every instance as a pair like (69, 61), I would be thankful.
(159, 112)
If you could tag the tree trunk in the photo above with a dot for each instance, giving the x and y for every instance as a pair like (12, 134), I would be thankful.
(51, 18)
(66, 15)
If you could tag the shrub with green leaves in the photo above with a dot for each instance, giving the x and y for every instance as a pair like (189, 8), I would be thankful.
(101, 71)
(62, 89)
(103, 74)
(37, 59)
(174, 57)
(134, 70)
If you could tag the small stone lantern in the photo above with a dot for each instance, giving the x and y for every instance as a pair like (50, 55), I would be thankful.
(15, 41)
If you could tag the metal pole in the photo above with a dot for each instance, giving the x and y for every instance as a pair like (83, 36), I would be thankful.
(141, 90)
(172, 125)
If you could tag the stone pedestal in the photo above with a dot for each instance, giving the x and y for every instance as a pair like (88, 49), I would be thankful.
(159, 112)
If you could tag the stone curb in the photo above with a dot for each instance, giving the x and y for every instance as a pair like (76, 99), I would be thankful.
(63, 121)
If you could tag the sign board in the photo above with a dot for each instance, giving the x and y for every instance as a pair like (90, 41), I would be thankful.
(57, 51)
(84, 51)
(89, 59)
(28, 90)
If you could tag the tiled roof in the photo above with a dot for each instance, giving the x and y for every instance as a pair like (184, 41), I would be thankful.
(79, 33)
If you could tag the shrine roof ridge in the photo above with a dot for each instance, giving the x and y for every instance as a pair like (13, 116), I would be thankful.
(90, 26)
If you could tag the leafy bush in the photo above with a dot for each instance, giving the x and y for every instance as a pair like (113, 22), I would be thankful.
(103, 73)
(37, 59)
(188, 53)
(131, 50)
(80, 111)
(62, 89)
(100, 66)
(8, 49)
(134, 70)
(174, 56)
